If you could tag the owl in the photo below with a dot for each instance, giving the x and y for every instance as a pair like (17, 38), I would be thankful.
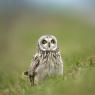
(46, 62)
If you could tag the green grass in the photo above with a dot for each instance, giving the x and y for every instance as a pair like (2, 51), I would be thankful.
(77, 44)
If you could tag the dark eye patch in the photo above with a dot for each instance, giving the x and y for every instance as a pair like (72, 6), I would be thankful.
(53, 41)
(44, 41)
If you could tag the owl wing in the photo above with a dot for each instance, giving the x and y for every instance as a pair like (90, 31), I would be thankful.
(60, 58)
(31, 70)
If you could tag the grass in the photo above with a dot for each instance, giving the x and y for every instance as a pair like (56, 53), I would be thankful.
(77, 44)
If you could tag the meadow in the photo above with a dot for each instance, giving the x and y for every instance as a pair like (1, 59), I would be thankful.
(18, 40)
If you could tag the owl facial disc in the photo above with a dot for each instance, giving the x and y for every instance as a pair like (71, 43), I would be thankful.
(47, 43)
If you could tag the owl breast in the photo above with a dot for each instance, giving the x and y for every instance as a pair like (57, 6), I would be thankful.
(48, 67)
(51, 65)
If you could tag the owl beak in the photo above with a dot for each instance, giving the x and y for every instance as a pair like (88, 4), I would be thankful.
(49, 45)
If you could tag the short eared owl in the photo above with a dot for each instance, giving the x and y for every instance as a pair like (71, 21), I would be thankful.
(47, 61)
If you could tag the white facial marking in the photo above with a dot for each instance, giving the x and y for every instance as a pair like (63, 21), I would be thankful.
(47, 43)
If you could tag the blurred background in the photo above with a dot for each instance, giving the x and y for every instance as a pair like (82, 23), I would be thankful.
(22, 22)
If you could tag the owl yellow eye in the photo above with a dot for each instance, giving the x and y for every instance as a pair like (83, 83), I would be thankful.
(53, 41)
(44, 41)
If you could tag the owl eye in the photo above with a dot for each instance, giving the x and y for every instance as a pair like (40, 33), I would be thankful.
(44, 41)
(53, 41)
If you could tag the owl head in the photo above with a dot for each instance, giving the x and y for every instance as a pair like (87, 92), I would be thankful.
(47, 43)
